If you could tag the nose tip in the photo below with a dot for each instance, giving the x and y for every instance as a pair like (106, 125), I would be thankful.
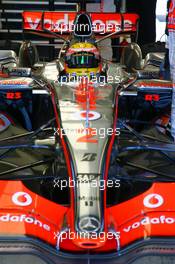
(90, 243)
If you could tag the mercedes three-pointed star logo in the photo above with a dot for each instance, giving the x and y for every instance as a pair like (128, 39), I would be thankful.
(89, 224)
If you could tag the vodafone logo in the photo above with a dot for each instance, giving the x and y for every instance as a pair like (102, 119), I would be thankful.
(22, 199)
(83, 115)
(153, 200)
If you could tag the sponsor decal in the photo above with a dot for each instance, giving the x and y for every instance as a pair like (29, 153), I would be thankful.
(89, 157)
(64, 22)
(83, 115)
(150, 221)
(89, 224)
(13, 82)
(6, 218)
(19, 72)
(88, 198)
(87, 177)
(153, 201)
(153, 84)
(22, 199)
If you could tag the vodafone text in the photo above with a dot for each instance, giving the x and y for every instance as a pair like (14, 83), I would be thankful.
(150, 221)
(65, 25)
(24, 219)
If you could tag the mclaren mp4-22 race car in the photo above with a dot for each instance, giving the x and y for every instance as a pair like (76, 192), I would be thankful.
(87, 162)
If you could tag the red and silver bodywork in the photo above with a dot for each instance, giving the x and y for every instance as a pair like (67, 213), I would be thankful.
(89, 228)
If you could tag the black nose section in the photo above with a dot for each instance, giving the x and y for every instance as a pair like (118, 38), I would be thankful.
(83, 26)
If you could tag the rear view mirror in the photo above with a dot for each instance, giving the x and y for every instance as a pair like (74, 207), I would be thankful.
(18, 72)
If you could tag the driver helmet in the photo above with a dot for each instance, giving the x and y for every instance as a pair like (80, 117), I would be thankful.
(82, 59)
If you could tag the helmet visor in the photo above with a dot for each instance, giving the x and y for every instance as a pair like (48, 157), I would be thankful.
(82, 60)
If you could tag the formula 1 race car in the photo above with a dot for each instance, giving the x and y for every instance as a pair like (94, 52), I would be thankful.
(87, 163)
